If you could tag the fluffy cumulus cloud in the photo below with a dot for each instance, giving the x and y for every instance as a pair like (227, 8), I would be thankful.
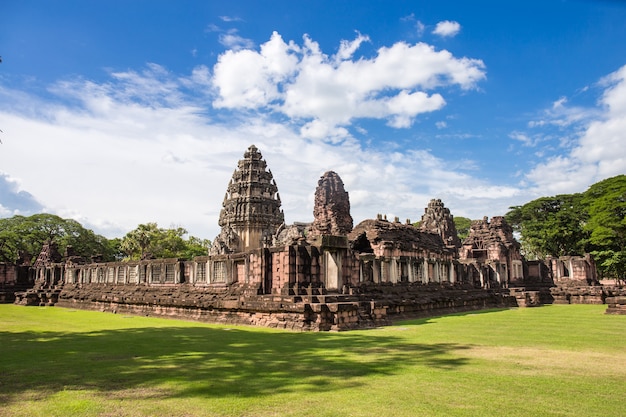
(447, 28)
(329, 92)
(598, 151)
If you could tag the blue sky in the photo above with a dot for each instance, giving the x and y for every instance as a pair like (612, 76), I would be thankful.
(117, 113)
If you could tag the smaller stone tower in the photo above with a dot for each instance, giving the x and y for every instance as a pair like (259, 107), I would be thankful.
(331, 209)
(437, 219)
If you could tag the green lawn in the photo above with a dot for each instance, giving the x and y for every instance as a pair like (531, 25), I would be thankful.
(554, 360)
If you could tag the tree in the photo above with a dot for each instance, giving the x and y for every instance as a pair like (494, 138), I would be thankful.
(26, 235)
(149, 241)
(462, 225)
(196, 247)
(136, 242)
(551, 226)
(605, 203)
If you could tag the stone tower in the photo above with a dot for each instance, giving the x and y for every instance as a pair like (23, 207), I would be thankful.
(492, 240)
(251, 212)
(49, 254)
(437, 219)
(332, 207)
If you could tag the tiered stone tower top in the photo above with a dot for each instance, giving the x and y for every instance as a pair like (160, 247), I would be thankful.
(332, 207)
(490, 240)
(251, 211)
(437, 219)
(49, 254)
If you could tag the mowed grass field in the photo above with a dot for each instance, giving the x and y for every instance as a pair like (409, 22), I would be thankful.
(549, 361)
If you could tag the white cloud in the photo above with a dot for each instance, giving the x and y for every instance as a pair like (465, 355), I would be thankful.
(231, 39)
(523, 137)
(348, 48)
(447, 28)
(561, 115)
(249, 79)
(420, 27)
(304, 83)
(231, 19)
(598, 152)
(212, 27)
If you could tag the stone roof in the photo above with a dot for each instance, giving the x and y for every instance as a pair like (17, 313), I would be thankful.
(403, 236)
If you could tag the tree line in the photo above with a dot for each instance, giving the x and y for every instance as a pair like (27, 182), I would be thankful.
(22, 237)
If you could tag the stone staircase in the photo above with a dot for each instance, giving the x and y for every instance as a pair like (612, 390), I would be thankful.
(39, 295)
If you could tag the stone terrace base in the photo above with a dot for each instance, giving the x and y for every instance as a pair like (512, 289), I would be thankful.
(531, 297)
(365, 307)
(579, 293)
(616, 305)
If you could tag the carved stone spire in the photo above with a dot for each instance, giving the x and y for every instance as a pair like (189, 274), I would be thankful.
(437, 219)
(332, 207)
(251, 212)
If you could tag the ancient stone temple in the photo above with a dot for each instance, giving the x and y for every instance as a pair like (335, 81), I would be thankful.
(251, 212)
(319, 275)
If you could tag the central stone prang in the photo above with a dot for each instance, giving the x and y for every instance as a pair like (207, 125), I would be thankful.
(251, 211)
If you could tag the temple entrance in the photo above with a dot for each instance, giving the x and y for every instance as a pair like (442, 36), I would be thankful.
(332, 266)
(267, 273)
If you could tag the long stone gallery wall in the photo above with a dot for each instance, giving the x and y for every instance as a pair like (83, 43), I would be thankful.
(324, 275)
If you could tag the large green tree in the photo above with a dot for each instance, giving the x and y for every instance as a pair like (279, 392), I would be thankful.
(149, 241)
(551, 226)
(26, 235)
(605, 203)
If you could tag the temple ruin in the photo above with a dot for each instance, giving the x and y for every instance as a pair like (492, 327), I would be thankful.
(323, 275)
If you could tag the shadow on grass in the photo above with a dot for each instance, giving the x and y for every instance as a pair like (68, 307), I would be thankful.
(431, 319)
(201, 361)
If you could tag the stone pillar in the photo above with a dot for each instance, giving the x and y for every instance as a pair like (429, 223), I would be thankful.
(393, 270)
(376, 265)
(361, 271)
